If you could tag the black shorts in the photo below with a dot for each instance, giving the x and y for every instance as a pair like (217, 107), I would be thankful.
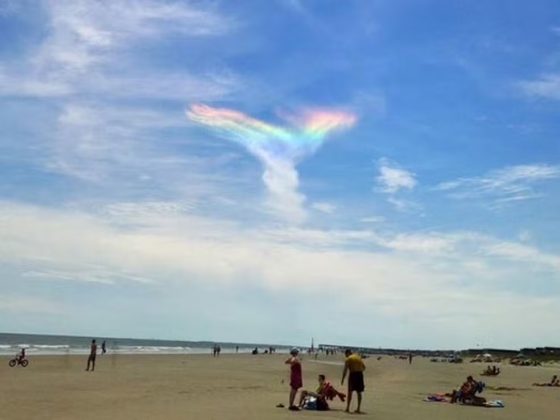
(356, 382)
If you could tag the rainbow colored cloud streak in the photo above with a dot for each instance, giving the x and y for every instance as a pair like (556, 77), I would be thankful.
(279, 148)
(305, 134)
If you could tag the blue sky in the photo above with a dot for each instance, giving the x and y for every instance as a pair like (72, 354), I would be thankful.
(434, 205)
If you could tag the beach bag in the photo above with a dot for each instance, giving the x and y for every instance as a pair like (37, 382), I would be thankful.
(322, 404)
(310, 403)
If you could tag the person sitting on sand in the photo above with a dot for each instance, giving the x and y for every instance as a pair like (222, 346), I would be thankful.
(296, 377)
(467, 393)
(491, 371)
(470, 397)
(553, 382)
(325, 391)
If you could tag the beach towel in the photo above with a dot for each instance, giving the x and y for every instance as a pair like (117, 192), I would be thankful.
(331, 393)
(437, 398)
(494, 404)
(442, 398)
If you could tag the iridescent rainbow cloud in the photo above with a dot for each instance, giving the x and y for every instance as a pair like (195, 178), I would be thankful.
(279, 148)
(306, 134)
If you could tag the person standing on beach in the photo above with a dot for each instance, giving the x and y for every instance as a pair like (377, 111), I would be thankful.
(92, 355)
(103, 347)
(296, 377)
(355, 366)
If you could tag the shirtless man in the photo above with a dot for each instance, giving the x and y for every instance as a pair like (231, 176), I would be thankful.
(92, 355)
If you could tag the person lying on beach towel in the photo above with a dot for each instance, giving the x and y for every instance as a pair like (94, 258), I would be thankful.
(553, 382)
(446, 398)
(318, 400)
(438, 398)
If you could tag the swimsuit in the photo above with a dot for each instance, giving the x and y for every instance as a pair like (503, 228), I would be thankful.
(296, 380)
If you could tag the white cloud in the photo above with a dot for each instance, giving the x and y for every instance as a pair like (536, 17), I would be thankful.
(432, 277)
(513, 183)
(90, 49)
(392, 178)
(514, 251)
(324, 207)
(546, 86)
(282, 181)
(143, 240)
(24, 304)
(86, 274)
(425, 243)
(92, 58)
(83, 31)
(405, 206)
(525, 235)
(372, 219)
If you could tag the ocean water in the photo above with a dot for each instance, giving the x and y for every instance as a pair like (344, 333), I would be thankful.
(36, 344)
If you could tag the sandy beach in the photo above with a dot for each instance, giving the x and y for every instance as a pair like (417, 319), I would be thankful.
(249, 387)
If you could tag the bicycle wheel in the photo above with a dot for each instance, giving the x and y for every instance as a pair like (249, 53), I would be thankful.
(12, 363)
(24, 363)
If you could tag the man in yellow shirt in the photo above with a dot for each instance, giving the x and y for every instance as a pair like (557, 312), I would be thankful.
(355, 365)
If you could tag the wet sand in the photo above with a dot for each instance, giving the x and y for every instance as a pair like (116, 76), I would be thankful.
(249, 387)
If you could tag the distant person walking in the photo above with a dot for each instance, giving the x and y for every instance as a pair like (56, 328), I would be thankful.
(296, 377)
(354, 365)
(103, 347)
(409, 358)
(92, 355)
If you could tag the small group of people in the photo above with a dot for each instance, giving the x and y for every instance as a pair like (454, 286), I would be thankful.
(466, 394)
(491, 371)
(216, 350)
(353, 368)
(269, 350)
(553, 382)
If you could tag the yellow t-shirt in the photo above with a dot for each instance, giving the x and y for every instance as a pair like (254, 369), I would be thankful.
(355, 363)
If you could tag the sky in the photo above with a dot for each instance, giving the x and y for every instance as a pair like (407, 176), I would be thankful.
(371, 173)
